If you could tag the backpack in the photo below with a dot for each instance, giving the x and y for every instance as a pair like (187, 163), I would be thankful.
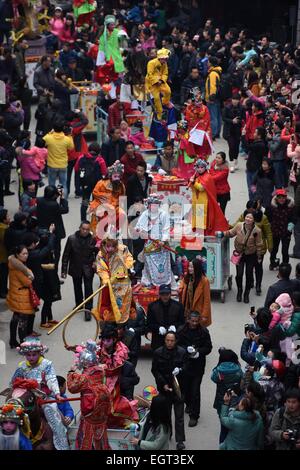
(88, 171)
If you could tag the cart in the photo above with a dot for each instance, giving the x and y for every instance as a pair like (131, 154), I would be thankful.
(118, 438)
(216, 252)
(86, 100)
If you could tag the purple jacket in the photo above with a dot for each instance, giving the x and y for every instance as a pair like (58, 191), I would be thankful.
(29, 170)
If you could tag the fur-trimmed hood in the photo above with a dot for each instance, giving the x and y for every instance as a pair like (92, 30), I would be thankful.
(289, 200)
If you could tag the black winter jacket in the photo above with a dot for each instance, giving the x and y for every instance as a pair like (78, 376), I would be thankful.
(49, 212)
(201, 341)
(256, 150)
(164, 362)
(229, 113)
(79, 255)
(160, 314)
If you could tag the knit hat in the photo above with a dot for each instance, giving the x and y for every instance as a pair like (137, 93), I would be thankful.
(281, 192)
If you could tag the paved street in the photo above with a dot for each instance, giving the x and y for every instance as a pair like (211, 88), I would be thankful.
(226, 329)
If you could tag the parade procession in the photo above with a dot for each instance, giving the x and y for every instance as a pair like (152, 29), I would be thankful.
(149, 216)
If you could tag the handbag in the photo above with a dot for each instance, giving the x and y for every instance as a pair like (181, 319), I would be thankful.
(237, 256)
(34, 298)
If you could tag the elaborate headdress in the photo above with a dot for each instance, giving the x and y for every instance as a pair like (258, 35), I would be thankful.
(12, 411)
(31, 344)
(183, 124)
(116, 168)
(201, 164)
(87, 354)
(109, 19)
(195, 92)
(152, 199)
(163, 53)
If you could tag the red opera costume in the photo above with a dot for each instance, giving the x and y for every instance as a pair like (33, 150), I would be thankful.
(206, 213)
(123, 411)
(95, 408)
(198, 117)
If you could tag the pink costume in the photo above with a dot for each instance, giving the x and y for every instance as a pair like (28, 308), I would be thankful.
(123, 410)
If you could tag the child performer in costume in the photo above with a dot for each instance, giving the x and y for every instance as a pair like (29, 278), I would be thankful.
(95, 404)
(42, 370)
(206, 213)
(113, 354)
(12, 417)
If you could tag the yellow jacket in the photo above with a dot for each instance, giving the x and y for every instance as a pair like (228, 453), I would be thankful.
(58, 145)
(156, 71)
(212, 83)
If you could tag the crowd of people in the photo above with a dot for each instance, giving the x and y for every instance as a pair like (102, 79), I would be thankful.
(210, 82)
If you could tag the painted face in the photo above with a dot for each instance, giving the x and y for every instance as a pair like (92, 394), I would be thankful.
(33, 357)
(110, 248)
(111, 26)
(201, 170)
(108, 342)
(153, 208)
(9, 427)
(115, 177)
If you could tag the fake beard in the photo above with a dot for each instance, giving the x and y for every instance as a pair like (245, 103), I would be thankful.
(116, 186)
(10, 442)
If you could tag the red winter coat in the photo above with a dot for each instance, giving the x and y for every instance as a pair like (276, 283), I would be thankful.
(116, 115)
(220, 177)
(80, 145)
(253, 121)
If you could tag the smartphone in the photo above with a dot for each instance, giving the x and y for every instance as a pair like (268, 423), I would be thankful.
(252, 309)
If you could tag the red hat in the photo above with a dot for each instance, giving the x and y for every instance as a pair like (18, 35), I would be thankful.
(147, 24)
(279, 367)
(280, 192)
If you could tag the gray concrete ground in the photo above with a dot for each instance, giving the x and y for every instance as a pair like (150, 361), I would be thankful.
(226, 330)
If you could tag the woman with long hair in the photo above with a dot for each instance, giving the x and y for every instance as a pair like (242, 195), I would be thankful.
(156, 428)
(68, 33)
(248, 250)
(219, 170)
(18, 298)
(244, 424)
(194, 292)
